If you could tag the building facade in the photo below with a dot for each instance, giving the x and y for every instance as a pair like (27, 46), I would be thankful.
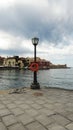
(13, 62)
(1, 60)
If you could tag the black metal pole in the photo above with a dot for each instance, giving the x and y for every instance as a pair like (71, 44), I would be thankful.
(34, 53)
(35, 73)
(35, 84)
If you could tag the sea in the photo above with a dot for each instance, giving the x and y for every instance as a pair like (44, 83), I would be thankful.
(54, 78)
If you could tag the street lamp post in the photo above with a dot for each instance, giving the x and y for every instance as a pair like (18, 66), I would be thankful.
(35, 84)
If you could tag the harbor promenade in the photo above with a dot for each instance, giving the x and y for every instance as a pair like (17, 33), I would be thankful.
(44, 109)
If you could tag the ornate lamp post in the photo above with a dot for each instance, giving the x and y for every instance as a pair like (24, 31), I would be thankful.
(35, 84)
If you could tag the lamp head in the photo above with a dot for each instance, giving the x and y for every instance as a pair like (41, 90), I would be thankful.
(35, 40)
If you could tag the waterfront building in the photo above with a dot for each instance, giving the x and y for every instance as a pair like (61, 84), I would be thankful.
(22, 62)
(43, 64)
(13, 62)
(9, 61)
(1, 60)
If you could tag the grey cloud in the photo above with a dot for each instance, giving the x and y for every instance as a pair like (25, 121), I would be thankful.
(26, 21)
(11, 52)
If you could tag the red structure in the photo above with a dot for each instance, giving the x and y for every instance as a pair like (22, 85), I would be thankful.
(43, 64)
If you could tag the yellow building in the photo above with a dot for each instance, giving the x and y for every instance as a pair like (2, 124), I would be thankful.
(20, 63)
(9, 61)
(13, 62)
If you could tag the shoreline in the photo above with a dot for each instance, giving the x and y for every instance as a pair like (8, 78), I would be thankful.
(28, 88)
(4, 92)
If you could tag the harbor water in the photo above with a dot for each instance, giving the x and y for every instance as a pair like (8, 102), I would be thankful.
(59, 78)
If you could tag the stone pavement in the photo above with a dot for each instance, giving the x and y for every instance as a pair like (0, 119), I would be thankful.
(45, 109)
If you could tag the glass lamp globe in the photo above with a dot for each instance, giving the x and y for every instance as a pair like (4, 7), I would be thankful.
(35, 41)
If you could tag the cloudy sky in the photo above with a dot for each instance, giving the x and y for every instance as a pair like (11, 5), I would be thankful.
(49, 20)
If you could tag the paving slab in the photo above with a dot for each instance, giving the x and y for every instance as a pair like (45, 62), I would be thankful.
(4, 112)
(36, 106)
(32, 112)
(6, 101)
(17, 111)
(2, 126)
(56, 127)
(35, 126)
(70, 116)
(2, 106)
(46, 111)
(11, 105)
(17, 127)
(9, 120)
(24, 106)
(70, 126)
(25, 119)
(44, 120)
(60, 119)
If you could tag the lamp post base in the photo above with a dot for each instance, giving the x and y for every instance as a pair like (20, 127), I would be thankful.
(35, 86)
